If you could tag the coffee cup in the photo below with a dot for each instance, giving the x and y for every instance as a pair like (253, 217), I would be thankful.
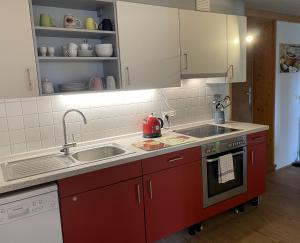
(106, 24)
(43, 51)
(110, 82)
(51, 51)
(46, 20)
(71, 22)
(90, 24)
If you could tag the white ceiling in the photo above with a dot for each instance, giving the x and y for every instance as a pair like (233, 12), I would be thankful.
(281, 6)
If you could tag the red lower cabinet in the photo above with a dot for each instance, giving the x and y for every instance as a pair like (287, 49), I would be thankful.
(256, 169)
(112, 214)
(173, 200)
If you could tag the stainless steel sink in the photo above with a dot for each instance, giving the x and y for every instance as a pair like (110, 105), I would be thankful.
(99, 153)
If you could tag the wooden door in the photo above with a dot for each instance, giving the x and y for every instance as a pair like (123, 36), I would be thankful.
(256, 169)
(18, 74)
(173, 200)
(111, 214)
(149, 46)
(203, 43)
(237, 48)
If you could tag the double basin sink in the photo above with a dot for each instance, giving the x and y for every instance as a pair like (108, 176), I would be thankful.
(40, 165)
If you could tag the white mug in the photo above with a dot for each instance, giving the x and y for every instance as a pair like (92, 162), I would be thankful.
(43, 51)
(51, 51)
(110, 82)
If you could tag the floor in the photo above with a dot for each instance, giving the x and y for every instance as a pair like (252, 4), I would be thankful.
(277, 219)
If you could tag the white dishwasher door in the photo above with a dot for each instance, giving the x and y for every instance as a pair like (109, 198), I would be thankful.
(31, 220)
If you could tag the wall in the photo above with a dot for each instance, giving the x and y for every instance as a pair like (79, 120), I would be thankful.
(286, 104)
(35, 123)
(235, 7)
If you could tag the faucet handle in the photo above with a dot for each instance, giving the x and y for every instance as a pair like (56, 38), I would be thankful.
(73, 137)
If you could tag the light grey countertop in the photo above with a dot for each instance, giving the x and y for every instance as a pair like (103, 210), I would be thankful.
(125, 142)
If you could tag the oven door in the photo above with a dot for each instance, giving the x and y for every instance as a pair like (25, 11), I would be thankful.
(215, 192)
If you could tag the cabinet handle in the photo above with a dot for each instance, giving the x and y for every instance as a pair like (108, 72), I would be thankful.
(29, 78)
(139, 193)
(128, 76)
(186, 62)
(150, 190)
(175, 159)
(252, 157)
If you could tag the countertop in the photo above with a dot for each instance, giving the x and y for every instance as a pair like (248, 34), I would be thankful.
(125, 142)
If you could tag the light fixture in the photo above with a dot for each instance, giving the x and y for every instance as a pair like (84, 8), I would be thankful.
(249, 38)
(107, 98)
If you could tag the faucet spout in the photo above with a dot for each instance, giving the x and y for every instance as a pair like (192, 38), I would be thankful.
(67, 146)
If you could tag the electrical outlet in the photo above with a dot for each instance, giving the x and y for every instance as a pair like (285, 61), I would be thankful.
(168, 113)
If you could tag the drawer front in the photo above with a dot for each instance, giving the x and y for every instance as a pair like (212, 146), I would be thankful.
(256, 138)
(101, 178)
(170, 160)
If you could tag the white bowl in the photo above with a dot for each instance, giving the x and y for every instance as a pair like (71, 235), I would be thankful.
(104, 50)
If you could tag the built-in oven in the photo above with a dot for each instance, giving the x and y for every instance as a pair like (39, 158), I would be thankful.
(214, 191)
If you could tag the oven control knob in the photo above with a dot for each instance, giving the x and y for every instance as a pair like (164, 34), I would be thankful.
(230, 145)
(208, 151)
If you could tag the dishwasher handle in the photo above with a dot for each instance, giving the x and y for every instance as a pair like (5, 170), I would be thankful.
(17, 212)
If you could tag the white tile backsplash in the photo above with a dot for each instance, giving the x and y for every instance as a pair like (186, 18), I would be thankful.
(2, 110)
(33, 123)
(17, 136)
(29, 107)
(3, 125)
(13, 108)
(15, 123)
(5, 140)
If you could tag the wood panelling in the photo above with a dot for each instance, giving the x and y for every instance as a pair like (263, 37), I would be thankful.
(271, 15)
(264, 61)
(277, 219)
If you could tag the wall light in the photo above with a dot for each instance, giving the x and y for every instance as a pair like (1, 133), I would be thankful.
(250, 38)
(107, 98)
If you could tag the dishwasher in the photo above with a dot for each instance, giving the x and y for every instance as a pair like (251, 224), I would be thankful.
(31, 216)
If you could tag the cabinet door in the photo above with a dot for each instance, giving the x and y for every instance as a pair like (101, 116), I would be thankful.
(149, 46)
(203, 44)
(237, 48)
(112, 214)
(18, 75)
(256, 169)
(173, 200)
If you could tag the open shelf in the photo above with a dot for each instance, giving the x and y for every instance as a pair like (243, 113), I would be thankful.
(76, 59)
(72, 33)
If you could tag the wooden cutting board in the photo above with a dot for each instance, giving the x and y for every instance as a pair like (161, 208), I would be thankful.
(163, 142)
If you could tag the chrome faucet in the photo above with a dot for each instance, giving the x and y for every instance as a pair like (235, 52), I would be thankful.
(67, 146)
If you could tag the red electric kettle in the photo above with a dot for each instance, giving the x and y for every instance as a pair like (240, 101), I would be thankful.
(152, 127)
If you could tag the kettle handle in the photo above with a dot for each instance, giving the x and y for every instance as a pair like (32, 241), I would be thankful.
(161, 122)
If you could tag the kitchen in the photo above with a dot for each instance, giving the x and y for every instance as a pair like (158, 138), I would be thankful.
(115, 122)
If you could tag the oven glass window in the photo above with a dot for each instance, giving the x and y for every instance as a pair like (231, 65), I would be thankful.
(214, 188)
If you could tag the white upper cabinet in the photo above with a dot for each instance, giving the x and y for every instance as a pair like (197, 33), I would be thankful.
(203, 44)
(18, 75)
(237, 48)
(149, 46)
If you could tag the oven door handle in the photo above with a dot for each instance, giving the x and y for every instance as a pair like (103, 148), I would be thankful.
(213, 160)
